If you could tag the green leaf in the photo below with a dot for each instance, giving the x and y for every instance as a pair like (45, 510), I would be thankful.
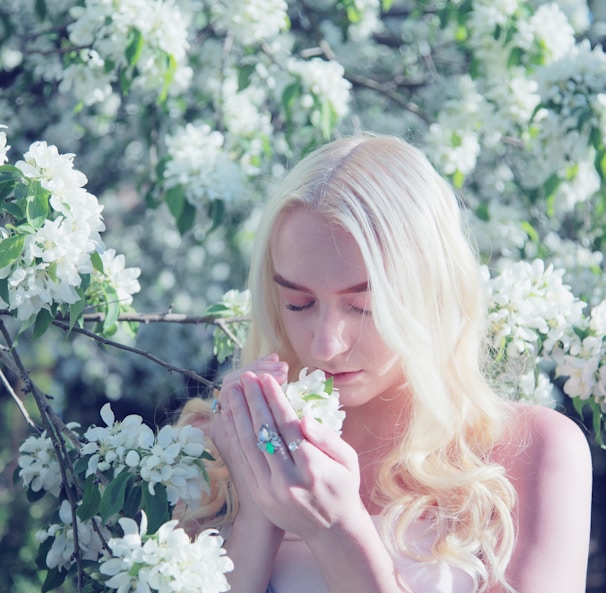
(602, 166)
(216, 213)
(244, 76)
(132, 500)
(169, 75)
(54, 578)
(217, 309)
(97, 261)
(40, 9)
(43, 320)
(156, 507)
(75, 311)
(43, 550)
(112, 499)
(37, 205)
(458, 179)
(530, 231)
(11, 249)
(14, 209)
(328, 385)
(290, 94)
(33, 496)
(91, 500)
(326, 119)
(134, 46)
(551, 185)
(187, 218)
(175, 200)
(4, 290)
(112, 309)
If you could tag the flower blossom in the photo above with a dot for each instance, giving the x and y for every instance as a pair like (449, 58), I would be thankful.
(172, 458)
(4, 147)
(251, 21)
(323, 82)
(199, 163)
(167, 561)
(38, 465)
(61, 552)
(313, 395)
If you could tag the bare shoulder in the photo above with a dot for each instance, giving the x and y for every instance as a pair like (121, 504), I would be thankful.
(548, 461)
(543, 437)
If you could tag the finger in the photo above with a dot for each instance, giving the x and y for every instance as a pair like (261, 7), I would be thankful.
(287, 421)
(329, 442)
(269, 440)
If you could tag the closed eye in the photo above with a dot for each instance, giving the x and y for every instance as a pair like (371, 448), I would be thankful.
(292, 307)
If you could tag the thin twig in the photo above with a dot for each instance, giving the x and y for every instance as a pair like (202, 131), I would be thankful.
(54, 427)
(107, 342)
(18, 401)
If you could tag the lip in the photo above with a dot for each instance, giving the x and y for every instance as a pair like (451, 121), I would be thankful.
(343, 377)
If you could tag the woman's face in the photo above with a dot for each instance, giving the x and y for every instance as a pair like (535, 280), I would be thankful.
(324, 299)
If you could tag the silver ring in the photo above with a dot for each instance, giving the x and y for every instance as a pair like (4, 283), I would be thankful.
(215, 406)
(269, 440)
(294, 445)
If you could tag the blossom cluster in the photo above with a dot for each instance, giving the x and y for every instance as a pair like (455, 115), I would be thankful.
(198, 162)
(172, 457)
(38, 464)
(582, 361)
(313, 395)
(537, 327)
(51, 247)
(325, 89)
(167, 561)
(250, 21)
(234, 304)
(61, 536)
(147, 34)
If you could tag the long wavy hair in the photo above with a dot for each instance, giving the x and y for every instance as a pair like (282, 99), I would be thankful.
(427, 301)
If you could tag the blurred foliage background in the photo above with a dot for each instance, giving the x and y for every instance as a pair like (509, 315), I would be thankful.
(182, 114)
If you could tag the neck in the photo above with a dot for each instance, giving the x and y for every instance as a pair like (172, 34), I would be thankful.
(377, 424)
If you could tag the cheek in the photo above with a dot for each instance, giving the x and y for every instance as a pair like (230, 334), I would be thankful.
(296, 333)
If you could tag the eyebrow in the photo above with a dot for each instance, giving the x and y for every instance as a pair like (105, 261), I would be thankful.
(361, 287)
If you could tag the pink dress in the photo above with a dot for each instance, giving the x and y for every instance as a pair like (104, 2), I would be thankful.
(296, 570)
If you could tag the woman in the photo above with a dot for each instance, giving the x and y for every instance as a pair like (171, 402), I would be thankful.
(436, 484)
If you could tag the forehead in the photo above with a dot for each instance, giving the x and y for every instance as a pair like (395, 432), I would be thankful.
(311, 251)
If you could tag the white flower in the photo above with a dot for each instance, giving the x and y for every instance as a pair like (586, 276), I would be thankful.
(61, 553)
(4, 147)
(199, 163)
(530, 308)
(172, 458)
(237, 303)
(313, 395)
(167, 561)
(122, 279)
(251, 21)
(39, 468)
(105, 28)
(325, 81)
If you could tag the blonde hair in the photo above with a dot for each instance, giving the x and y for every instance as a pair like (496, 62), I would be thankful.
(428, 305)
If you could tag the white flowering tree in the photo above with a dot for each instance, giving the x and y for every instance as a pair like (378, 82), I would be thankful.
(149, 131)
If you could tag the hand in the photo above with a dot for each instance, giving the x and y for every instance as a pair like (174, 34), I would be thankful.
(223, 432)
(306, 491)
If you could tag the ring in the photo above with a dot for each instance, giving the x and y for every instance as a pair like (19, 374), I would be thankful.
(215, 406)
(294, 445)
(269, 440)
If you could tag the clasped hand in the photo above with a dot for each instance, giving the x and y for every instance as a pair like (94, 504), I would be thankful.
(306, 490)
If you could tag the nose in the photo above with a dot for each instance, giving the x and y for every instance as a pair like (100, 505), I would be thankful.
(329, 336)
